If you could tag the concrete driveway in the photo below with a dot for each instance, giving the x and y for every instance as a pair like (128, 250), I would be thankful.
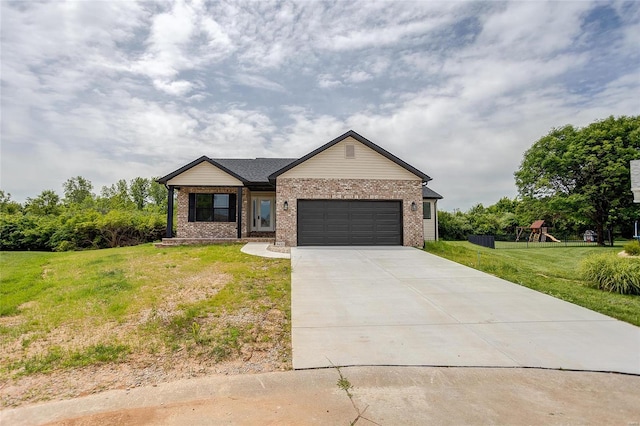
(401, 306)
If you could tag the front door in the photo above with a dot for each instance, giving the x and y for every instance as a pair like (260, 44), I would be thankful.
(263, 214)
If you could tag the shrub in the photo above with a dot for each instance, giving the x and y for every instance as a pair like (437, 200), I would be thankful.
(80, 229)
(453, 226)
(11, 232)
(632, 248)
(612, 273)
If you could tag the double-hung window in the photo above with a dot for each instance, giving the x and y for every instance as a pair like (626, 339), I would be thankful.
(426, 210)
(212, 207)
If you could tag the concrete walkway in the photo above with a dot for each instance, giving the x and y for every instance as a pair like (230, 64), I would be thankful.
(390, 395)
(403, 306)
(262, 250)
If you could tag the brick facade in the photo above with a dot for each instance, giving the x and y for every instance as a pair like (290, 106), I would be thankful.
(292, 189)
(188, 229)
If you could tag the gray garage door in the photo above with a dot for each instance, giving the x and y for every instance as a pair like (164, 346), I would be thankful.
(349, 223)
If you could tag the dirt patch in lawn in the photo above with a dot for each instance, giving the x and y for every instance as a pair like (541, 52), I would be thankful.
(260, 347)
(157, 344)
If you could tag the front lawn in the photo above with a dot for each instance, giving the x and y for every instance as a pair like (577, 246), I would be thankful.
(554, 271)
(189, 308)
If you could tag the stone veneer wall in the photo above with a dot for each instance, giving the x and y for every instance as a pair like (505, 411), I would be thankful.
(292, 189)
(188, 229)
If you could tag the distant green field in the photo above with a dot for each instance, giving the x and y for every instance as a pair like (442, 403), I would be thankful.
(554, 271)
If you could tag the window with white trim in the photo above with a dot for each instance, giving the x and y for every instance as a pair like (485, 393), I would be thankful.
(426, 210)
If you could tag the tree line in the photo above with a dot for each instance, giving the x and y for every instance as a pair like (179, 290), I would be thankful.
(124, 213)
(503, 218)
(573, 178)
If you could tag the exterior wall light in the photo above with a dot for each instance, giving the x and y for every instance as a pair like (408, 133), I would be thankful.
(286, 205)
(414, 206)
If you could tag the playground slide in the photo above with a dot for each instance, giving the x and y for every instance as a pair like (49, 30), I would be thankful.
(552, 238)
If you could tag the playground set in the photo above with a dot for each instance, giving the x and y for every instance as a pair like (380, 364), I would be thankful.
(538, 233)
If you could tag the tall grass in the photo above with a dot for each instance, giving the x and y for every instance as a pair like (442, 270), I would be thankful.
(612, 273)
(632, 248)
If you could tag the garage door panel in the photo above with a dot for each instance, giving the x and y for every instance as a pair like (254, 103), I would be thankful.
(393, 217)
(363, 227)
(334, 240)
(349, 222)
(362, 216)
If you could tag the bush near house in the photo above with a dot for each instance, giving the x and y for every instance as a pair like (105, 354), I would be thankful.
(612, 273)
(632, 248)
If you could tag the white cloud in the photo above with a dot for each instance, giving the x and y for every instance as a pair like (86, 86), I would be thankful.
(176, 88)
(114, 90)
(169, 36)
(327, 81)
(258, 82)
(525, 29)
(358, 76)
(398, 25)
(306, 133)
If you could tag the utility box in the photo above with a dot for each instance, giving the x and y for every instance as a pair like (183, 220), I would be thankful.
(635, 180)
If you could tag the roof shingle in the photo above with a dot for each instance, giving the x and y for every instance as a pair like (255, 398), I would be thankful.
(256, 170)
(430, 193)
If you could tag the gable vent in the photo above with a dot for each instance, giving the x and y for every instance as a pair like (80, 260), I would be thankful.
(350, 151)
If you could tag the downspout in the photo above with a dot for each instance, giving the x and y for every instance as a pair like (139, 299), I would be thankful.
(435, 214)
(239, 198)
(169, 232)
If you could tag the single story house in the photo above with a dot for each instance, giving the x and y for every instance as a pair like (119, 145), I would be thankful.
(349, 191)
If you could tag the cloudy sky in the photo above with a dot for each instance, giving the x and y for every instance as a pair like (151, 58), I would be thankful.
(118, 89)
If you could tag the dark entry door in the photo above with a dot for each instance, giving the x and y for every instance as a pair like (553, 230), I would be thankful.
(349, 223)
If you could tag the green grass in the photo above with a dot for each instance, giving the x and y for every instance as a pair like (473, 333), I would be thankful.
(57, 358)
(554, 271)
(72, 309)
(21, 279)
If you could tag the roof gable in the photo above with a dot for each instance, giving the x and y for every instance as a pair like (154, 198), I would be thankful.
(198, 165)
(362, 140)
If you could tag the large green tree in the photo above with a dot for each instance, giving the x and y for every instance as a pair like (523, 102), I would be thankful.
(77, 190)
(139, 189)
(585, 169)
(7, 205)
(47, 203)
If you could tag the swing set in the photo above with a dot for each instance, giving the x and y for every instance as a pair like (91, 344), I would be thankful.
(537, 233)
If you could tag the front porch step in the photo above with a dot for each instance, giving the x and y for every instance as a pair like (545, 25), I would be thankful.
(262, 234)
(173, 242)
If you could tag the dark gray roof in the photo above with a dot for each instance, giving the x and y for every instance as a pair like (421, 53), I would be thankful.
(430, 193)
(247, 170)
(265, 170)
(255, 170)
